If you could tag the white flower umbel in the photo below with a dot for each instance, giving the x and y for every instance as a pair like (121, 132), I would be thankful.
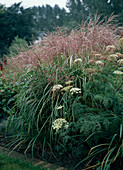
(118, 72)
(90, 61)
(78, 60)
(98, 55)
(60, 123)
(67, 88)
(75, 90)
(99, 63)
(113, 57)
(69, 82)
(59, 107)
(120, 61)
(57, 87)
(120, 68)
(110, 48)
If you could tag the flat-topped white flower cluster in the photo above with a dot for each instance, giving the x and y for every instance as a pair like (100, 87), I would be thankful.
(75, 90)
(57, 87)
(118, 72)
(60, 123)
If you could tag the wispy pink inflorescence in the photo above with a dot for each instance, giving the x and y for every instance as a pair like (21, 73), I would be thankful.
(91, 36)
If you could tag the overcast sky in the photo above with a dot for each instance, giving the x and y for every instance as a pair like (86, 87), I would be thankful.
(30, 3)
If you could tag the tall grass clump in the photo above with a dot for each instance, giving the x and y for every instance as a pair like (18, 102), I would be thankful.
(88, 38)
(71, 88)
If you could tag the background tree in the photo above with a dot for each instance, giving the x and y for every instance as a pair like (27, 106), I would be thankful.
(84, 9)
(47, 17)
(117, 8)
(105, 8)
(3, 30)
(27, 23)
(31, 22)
(15, 21)
(77, 11)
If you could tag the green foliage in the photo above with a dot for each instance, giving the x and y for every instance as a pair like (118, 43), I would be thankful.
(7, 93)
(88, 112)
(18, 45)
(65, 102)
(110, 152)
(19, 22)
(81, 10)
(48, 18)
(78, 13)
(35, 117)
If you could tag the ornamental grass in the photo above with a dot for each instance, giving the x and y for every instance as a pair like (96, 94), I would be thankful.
(89, 90)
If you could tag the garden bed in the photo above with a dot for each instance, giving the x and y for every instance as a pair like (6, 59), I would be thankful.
(63, 98)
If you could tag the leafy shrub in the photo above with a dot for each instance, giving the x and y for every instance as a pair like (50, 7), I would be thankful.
(111, 152)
